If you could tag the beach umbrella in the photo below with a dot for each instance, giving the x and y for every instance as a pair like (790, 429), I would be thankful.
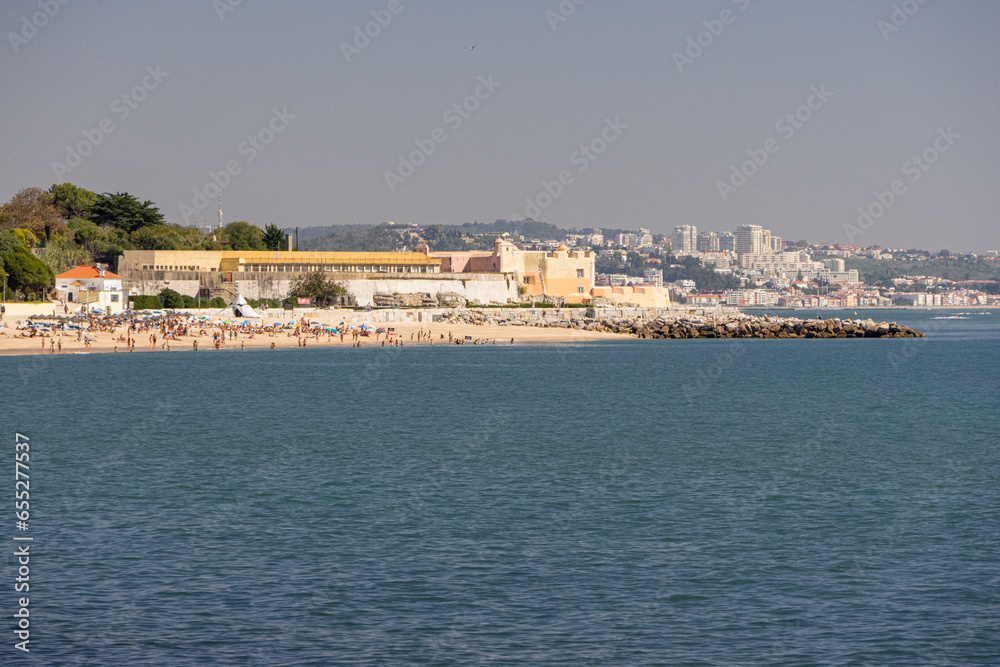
(380, 330)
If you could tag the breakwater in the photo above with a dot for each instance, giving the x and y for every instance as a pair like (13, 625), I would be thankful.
(708, 325)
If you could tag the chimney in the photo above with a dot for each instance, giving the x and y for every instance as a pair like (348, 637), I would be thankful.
(288, 242)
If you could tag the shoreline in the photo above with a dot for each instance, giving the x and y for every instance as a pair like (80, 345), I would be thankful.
(412, 332)
(406, 332)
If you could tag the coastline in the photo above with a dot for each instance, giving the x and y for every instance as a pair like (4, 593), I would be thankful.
(406, 328)
(106, 342)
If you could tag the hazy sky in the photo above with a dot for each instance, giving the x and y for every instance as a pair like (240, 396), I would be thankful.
(665, 98)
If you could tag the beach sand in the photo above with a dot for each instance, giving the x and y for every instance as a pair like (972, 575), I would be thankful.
(405, 331)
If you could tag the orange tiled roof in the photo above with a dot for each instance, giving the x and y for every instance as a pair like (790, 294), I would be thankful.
(87, 272)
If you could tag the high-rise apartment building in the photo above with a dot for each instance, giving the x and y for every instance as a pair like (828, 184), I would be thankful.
(685, 240)
(750, 240)
(708, 241)
(727, 242)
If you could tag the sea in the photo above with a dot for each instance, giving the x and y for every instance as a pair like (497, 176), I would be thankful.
(624, 502)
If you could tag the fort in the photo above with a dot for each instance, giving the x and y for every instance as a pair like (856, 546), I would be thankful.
(506, 275)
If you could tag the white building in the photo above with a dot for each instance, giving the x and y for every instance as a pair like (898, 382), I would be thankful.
(752, 240)
(654, 276)
(685, 240)
(92, 287)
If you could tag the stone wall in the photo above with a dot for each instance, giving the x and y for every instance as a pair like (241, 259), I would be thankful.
(472, 288)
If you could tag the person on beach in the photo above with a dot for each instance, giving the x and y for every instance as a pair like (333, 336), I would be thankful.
(195, 345)
(59, 347)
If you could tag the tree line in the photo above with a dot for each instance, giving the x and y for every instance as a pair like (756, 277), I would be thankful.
(47, 232)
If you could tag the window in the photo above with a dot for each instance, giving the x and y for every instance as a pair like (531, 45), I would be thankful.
(579, 273)
(114, 298)
(579, 290)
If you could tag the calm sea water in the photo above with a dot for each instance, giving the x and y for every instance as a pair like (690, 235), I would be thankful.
(787, 502)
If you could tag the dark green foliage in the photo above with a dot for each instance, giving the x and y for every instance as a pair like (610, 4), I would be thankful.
(171, 299)
(316, 287)
(274, 238)
(881, 271)
(124, 212)
(141, 302)
(370, 239)
(72, 202)
(634, 265)
(158, 237)
(242, 235)
(706, 279)
(25, 272)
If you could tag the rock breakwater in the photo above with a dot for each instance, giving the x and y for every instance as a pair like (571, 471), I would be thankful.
(724, 325)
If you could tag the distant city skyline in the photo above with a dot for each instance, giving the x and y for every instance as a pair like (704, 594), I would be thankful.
(861, 123)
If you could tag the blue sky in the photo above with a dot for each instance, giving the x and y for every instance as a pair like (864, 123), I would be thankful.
(643, 109)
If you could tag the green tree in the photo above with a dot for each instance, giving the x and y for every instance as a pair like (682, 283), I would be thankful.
(274, 238)
(124, 212)
(103, 243)
(71, 201)
(316, 287)
(241, 235)
(32, 209)
(63, 254)
(171, 299)
(25, 272)
(157, 237)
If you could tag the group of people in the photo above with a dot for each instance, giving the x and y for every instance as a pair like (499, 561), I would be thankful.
(161, 332)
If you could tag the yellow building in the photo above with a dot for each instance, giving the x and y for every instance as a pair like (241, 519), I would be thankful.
(271, 262)
(561, 273)
(644, 296)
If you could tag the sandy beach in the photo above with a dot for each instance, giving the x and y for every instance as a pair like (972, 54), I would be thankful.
(13, 341)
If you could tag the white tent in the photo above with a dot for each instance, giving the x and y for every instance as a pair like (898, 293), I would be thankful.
(240, 308)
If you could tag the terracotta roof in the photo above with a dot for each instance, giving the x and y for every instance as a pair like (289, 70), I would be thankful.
(87, 272)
